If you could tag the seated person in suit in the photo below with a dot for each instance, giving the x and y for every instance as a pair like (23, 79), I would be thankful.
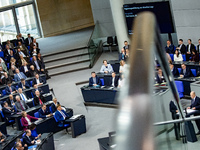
(37, 64)
(25, 68)
(3, 66)
(178, 56)
(23, 84)
(20, 104)
(106, 68)
(40, 59)
(181, 47)
(159, 77)
(113, 80)
(185, 72)
(44, 112)
(38, 99)
(195, 56)
(23, 53)
(54, 105)
(11, 58)
(122, 66)
(195, 105)
(32, 71)
(34, 134)
(189, 49)
(94, 80)
(20, 144)
(34, 43)
(2, 137)
(7, 78)
(22, 60)
(19, 75)
(38, 80)
(27, 120)
(28, 139)
(61, 115)
(174, 70)
(7, 51)
(169, 48)
(122, 55)
(34, 51)
(12, 71)
(36, 88)
(7, 111)
(22, 47)
(10, 89)
(22, 95)
(11, 101)
(11, 46)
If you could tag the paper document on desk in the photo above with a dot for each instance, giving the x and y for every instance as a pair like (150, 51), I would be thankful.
(75, 116)
(190, 110)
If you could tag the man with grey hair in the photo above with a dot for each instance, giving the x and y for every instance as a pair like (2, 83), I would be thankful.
(195, 105)
(20, 105)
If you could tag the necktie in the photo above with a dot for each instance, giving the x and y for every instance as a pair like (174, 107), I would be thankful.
(40, 101)
(22, 106)
(64, 116)
(20, 76)
(10, 90)
(193, 101)
(22, 95)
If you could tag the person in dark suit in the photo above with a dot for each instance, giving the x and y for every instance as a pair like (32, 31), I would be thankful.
(7, 78)
(7, 111)
(10, 89)
(22, 95)
(23, 53)
(122, 55)
(181, 47)
(7, 51)
(28, 40)
(37, 65)
(34, 51)
(169, 48)
(195, 105)
(20, 104)
(22, 38)
(32, 71)
(40, 59)
(44, 112)
(34, 43)
(198, 46)
(174, 70)
(185, 72)
(38, 99)
(23, 84)
(11, 46)
(54, 105)
(195, 56)
(28, 139)
(11, 101)
(11, 55)
(189, 49)
(38, 80)
(113, 80)
(36, 88)
(61, 115)
(159, 76)
(126, 46)
(94, 80)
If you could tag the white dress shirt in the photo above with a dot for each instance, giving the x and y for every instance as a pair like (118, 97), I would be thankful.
(179, 58)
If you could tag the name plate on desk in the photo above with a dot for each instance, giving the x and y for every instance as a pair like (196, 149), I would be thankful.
(75, 116)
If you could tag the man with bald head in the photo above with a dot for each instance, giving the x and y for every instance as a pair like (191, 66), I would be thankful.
(38, 99)
(195, 105)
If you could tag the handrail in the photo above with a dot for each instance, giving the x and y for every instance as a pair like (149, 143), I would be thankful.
(134, 122)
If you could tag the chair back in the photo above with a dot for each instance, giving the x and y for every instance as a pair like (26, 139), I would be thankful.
(180, 88)
(102, 82)
(36, 114)
(50, 109)
(4, 92)
(110, 40)
(179, 70)
(184, 57)
(194, 72)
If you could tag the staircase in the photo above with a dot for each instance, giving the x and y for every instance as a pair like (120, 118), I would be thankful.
(67, 61)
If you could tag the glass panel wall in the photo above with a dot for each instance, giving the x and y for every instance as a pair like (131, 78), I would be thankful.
(10, 2)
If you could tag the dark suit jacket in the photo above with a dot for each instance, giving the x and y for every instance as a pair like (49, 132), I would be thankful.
(115, 81)
(27, 41)
(170, 49)
(183, 49)
(43, 114)
(9, 101)
(8, 89)
(41, 80)
(6, 54)
(32, 73)
(188, 73)
(40, 65)
(6, 80)
(26, 85)
(196, 103)
(31, 45)
(173, 108)
(22, 69)
(7, 113)
(53, 107)
(91, 81)
(37, 51)
(36, 100)
(27, 141)
(175, 72)
(18, 106)
(198, 48)
(160, 80)
(191, 48)
(39, 89)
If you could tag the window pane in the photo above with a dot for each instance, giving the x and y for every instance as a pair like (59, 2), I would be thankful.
(26, 21)
(7, 26)
(10, 2)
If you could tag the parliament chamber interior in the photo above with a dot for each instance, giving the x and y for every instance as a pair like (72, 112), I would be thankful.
(99, 75)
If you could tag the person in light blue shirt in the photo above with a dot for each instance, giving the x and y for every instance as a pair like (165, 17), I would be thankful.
(106, 68)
